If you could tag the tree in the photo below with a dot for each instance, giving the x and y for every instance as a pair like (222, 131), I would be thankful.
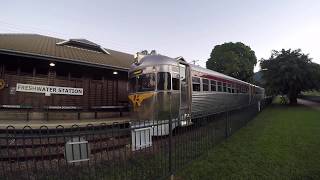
(289, 72)
(233, 59)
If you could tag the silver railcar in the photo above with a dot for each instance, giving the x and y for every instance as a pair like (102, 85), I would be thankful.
(163, 88)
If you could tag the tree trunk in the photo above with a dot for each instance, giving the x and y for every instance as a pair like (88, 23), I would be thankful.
(293, 95)
(293, 99)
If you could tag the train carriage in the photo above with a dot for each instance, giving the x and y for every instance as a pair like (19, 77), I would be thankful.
(163, 88)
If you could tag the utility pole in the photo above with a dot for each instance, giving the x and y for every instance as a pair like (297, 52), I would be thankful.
(194, 61)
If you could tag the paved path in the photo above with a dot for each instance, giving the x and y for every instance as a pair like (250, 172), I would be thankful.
(65, 123)
(309, 103)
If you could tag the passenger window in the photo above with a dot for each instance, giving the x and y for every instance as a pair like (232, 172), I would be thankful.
(195, 84)
(229, 88)
(175, 83)
(164, 81)
(238, 87)
(213, 85)
(205, 84)
(224, 87)
(219, 86)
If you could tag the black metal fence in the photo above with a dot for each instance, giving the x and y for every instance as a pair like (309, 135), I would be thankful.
(117, 151)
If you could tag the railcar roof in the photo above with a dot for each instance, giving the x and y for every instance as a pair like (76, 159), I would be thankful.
(151, 60)
(214, 73)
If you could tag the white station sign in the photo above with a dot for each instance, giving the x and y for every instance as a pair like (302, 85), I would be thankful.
(47, 90)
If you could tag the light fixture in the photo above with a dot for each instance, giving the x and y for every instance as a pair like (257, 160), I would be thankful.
(52, 64)
(115, 72)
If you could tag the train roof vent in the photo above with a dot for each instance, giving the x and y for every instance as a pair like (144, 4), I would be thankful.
(180, 58)
(139, 55)
(83, 44)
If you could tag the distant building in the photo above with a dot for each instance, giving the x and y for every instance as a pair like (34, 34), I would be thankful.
(43, 77)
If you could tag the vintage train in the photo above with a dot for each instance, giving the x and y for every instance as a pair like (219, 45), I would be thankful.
(163, 88)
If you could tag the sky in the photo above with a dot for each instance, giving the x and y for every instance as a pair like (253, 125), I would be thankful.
(172, 27)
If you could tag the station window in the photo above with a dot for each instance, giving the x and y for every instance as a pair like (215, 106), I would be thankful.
(219, 87)
(205, 84)
(26, 69)
(11, 68)
(42, 70)
(213, 85)
(195, 84)
(164, 81)
(224, 85)
(62, 73)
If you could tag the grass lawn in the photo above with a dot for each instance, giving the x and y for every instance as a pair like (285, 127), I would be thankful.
(282, 142)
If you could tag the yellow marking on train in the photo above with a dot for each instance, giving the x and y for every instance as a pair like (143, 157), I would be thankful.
(137, 99)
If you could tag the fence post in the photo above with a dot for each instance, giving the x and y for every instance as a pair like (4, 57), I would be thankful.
(227, 124)
(170, 140)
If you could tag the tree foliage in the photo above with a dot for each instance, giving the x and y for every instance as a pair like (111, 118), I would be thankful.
(288, 72)
(233, 59)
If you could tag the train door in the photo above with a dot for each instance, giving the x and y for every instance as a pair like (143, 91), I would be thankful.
(185, 94)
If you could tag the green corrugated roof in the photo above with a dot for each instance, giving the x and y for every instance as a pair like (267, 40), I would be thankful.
(44, 46)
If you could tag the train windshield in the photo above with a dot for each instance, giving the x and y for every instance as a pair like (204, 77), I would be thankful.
(143, 82)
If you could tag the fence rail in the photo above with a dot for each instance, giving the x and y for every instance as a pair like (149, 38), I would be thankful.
(116, 151)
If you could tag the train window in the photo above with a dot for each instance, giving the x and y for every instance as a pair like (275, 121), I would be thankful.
(219, 86)
(164, 81)
(195, 80)
(175, 83)
(205, 84)
(195, 84)
(213, 85)
(196, 87)
(132, 84)
(229, 88)
(232, 88)
(224, 87)
(146, 82)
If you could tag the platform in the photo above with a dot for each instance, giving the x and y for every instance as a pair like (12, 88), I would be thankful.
(52, 124)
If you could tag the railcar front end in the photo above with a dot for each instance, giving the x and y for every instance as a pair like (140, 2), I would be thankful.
(159, 93)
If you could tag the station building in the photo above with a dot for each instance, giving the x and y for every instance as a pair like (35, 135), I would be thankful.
(46, 78)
